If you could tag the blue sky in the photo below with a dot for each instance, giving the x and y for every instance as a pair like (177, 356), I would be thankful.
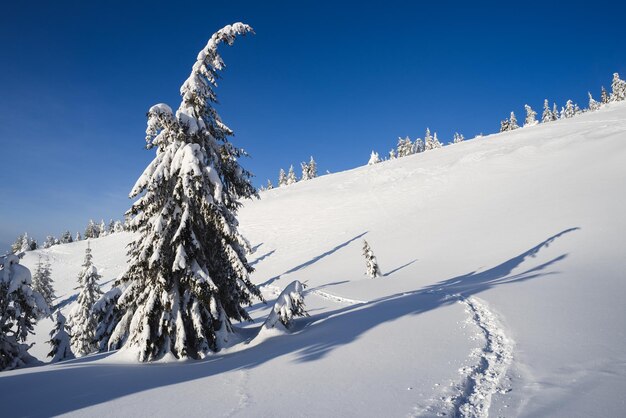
(334, 80)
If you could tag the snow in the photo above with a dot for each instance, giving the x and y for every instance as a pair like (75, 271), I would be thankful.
(502, 293)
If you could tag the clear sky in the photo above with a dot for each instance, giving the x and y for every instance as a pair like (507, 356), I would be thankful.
(334, 80)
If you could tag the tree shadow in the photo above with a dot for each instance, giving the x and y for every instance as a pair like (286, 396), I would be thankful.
(261, 258)
(313, 260)
(399, 268)
(89, 383)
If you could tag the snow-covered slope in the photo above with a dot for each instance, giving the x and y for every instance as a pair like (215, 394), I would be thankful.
(503, 261)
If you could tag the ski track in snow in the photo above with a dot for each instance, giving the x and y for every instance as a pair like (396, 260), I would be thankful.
(276, 290)
(335, 298)
(487, 376)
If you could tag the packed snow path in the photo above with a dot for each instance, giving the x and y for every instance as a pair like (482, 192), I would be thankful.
(494, 359)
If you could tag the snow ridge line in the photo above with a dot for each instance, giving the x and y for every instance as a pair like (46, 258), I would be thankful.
(494, 361)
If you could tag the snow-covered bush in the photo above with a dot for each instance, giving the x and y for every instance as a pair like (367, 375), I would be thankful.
(20, 308)
(289, 305)
(374, 158)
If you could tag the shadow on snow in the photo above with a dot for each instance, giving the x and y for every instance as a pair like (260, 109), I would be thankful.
(82, 383)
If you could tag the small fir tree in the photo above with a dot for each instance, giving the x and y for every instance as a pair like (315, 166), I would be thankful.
(42, 281)
(20, 308)
(546, 116)
(569, 111)
(312, 168)
(555, 112)
(60, 340)
(102, 229)
(92, 230)
(392, 154)
(371, 264)
(269, 186)
(531, 116)
(418, 146)
(49, 242)
(458, 138)
(604, 96)
(404, 147)
(593, 105)
(305, 171)
(291, 176)
(505, 125)
(374, 158)
(513, 122)
(282, 178)
(66, 237)
(618, 89)
(83, 321)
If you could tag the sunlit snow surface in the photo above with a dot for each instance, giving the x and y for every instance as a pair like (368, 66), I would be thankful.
(503, 293)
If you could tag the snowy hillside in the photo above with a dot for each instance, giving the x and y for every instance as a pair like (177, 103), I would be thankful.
(502, 294)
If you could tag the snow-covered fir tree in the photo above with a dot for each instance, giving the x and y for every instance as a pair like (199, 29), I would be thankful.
(111, 227)
(569, 110)
(457, 138)
(83, 322)
(66, 237)
(374, 158)
(16, 247)
(431, 142)
(78, 237)
(593, 105)
(23, 243)
(371, 264)
(60, 340)
(119, 226)
(418, 146)
(392, 154)
(305, 171)
(604, 96)
(282, 178)
(49, 242)
(546, 116)
(531, 116)
(513, 122)
(505, 125)
(42, 281)
(20, 308)
(187, 276)
(618, 89)
(436, 142)
(312, 168)
(92, 230)
(269, 185)
(555, 112)
(404, 147)
(291, 176)
(102, 229)
(577, 109)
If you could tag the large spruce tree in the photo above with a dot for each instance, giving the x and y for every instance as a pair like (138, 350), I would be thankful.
(188, 276)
